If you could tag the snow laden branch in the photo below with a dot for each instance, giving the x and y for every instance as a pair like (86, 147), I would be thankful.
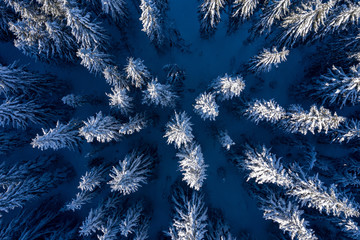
(131, 173)
(192, 165)
(102, 128)
(206, 106)
(110, 229)
(179, 130)
(27, 181)
(141, 232)
(87, 33)
(265, 61)
(39, 35)
(350, 227)
(92, 222)
(62, 136)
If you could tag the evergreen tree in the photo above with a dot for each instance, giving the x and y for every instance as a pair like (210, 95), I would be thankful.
(93, 59)
(120, 100)
(192, 165)
(179, 131)
(40, 35)
(206, 106)
(131, 173)
(137, 72)
(114, 77)
(101, 215)
(158, 94)
(338, 87)
(276, 10)
(19, 113)
(342, 17)
(131, 220)
(228, 87)
(151, 21)
(240, 11)
(76, 203)
(116, 9)
(141, 232)
(62, 136)
(110, 229)
(135, 124)
(93, 222)
(73, 100)
(174, 74)
(16, 80)
(243, 9)
(350, 130)
(306, 19)
(302, 121)
(87, 33)
(92, 179)
(267, 59)
(27, 181)
(225, 140)
(288, 216)
(40, 222)
(260, 110)
(210, 16)
(265, 167)
(190, 220)
(311, 192)
(103, 128)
